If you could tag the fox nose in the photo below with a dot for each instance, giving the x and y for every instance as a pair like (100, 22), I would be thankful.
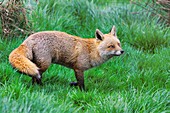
(121, 51)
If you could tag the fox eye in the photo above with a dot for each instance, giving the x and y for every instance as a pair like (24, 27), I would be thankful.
(118, 44)
(111, 46)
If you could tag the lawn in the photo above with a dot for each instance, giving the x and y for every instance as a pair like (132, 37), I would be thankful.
(136, 82)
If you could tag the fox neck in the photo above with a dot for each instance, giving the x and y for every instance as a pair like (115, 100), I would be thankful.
(95, 57)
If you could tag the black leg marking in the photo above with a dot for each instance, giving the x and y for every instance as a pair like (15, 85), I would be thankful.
(37, 79)
(33, 80)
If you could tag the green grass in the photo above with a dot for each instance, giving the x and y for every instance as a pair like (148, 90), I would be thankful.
(136, 82)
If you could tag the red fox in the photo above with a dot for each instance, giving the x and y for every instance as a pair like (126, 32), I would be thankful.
(39, 50)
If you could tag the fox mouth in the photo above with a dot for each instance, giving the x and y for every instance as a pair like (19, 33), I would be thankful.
(117, 55)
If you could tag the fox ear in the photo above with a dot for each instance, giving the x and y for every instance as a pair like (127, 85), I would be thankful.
(99, 35)
(113, 31)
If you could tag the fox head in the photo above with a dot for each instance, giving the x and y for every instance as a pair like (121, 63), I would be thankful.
(108, 44)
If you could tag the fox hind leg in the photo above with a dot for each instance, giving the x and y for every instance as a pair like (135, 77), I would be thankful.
(43, 63)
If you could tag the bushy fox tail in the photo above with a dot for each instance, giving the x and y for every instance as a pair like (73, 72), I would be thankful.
(18, 59)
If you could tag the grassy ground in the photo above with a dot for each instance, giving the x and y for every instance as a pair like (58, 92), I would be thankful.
(138, 81)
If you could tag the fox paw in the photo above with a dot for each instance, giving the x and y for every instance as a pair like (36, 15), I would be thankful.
(73, 84)
(36, 80)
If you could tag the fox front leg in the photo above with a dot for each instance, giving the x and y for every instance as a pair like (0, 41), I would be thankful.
(80, 79)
